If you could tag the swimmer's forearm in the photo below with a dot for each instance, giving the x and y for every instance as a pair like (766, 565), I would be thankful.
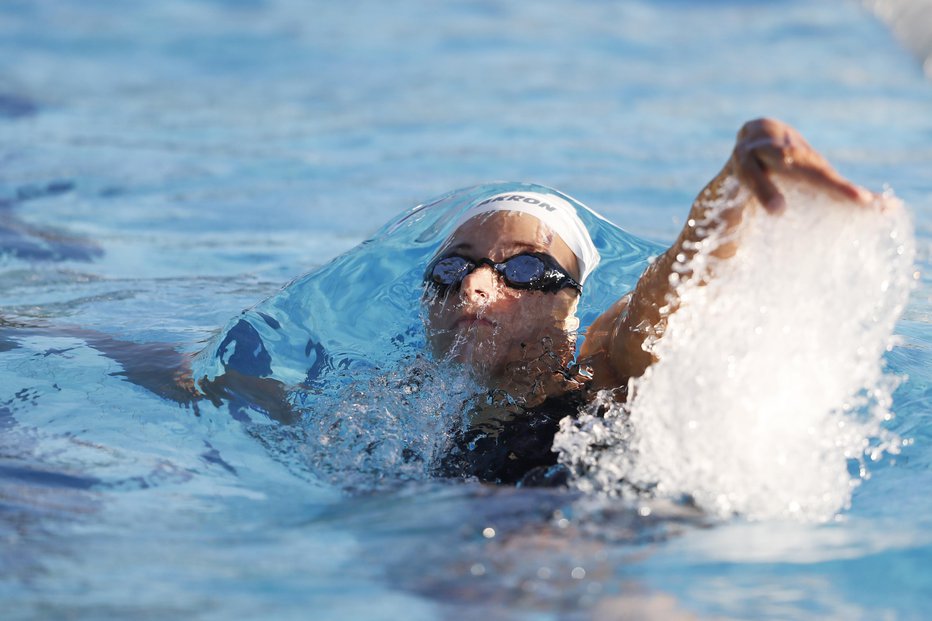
(765, 148)
(265, 394)
(714, 217)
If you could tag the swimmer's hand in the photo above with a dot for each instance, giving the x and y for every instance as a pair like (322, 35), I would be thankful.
(767, 147)
(618, 343)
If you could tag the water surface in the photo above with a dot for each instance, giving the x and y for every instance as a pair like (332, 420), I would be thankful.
(165, 165)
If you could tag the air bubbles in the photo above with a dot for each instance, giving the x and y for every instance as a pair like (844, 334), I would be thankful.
(488, 532)
(477, 569)
(578, 573)
(383, 425)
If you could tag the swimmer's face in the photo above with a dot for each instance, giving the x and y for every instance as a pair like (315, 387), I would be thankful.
(493, 327)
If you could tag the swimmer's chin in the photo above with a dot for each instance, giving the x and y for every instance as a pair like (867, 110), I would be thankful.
(477, 356)
(471, 342)
(473, 323)
(472, 355)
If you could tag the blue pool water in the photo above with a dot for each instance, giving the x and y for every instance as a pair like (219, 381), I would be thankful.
(165, 165)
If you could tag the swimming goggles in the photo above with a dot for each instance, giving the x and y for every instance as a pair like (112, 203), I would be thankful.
(536, 271)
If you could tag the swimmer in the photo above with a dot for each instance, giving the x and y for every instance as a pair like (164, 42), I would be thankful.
(500, 297)
(506, 284)
(503, 289)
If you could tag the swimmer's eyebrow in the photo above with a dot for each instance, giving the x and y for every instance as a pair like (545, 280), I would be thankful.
(513, 248)
(457, 247)
(524, 247)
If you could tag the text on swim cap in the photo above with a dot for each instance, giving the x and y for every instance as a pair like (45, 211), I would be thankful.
(517, 197)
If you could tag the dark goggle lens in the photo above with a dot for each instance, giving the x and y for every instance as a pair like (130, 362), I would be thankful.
(450, 271)
(524, 269)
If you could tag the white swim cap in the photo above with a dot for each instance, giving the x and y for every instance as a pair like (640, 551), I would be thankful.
(553, 211)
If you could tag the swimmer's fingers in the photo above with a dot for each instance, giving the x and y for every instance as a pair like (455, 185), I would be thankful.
(755, 175)
(802, 163)
(824, 177)
(766, 147)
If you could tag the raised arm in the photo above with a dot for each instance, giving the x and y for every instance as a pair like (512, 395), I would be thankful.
(615, 343)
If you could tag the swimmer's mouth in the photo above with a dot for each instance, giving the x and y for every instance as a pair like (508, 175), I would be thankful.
(470, 321)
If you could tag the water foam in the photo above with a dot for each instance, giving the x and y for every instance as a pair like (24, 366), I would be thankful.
(770, 389)
(382, 426)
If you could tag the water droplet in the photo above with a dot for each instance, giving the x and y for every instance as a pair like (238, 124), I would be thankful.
(488, 532)
(478, 569)
(578, 573)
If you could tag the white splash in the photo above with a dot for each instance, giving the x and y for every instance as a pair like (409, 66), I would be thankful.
(770, 378)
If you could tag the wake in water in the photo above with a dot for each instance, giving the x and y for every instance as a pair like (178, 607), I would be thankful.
(770, 394)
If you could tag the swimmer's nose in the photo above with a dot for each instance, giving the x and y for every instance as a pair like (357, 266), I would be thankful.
(480, 286)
